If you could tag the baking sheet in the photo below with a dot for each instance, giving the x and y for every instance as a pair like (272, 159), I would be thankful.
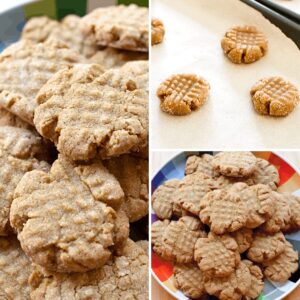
(293, 5)
(194, 29)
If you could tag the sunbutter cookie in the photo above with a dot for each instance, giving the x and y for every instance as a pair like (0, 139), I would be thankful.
(44, 204)
(244, 44)
(123, 277)
(18, 151)
(182, 93)
(157, 31)
(132, 174)
(283, 266)
(37, 63)
(189, 279)
(15, 269)
(265, 247)
(217, 256)
(234, 164)
(113, 113)
(199, 164)
(274, 96)
(123, 27)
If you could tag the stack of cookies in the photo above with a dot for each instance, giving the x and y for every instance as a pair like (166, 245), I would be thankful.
(223, 226)
(74, 157)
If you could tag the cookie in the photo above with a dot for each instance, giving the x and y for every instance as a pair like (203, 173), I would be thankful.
(257, 283)
(121, 230)
(15, 269)
(192, 189)
(217, 256)
(281, 217)
(44, 203)
(199, 164)
(265, 173)
(244, 44)
(233, 287)
(243, 238)
(18, 151)
(163, 198)
(223, 211)
(189, 279)
(157, 230)
(114, 58)
(9, 119)
(132, 174)
(294, 204)
(123, 277)
(157, 31)
(37, 63)
(123, 110)
(122, 27)
(274, 96)
(181, 94)
(283, 266)
(234, 164)
(144, 244)
(266, 247)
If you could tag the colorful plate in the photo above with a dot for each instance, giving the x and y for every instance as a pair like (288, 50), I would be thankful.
(289, 182)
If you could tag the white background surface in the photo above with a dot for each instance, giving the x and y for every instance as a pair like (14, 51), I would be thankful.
(194, 29)
(7, 4)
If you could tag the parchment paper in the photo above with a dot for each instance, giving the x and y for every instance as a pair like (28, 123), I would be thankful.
(293, 5)
(194, 29)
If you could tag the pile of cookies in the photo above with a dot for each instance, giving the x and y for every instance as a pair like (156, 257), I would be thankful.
(223, 226)
(74, 157)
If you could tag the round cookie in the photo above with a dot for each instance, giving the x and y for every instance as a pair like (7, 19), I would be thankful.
(123, 277)
(244, 44)
(15, 268)
(217, 256)
(189, 279)
(123, 109)
(44, 204)
(157, 31)
(199, 164)
(181, 94)
(243, 238)
(234, 164)
(294, 204)
(265, 247)
(9, 119)
(157, 230)
(274, 96)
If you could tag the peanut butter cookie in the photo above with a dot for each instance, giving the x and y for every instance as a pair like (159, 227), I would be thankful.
(199, 164)
(294, 204)
(243, 238)
(157, 31)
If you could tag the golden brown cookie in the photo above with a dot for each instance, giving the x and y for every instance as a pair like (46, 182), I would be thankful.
(233, 287)
(199, 164)
(244, 44)
(37, 63)
(163, 198)
(181, 94)
(123, 109)
(44, 203)
(217, 256)
(15, 268)
(274, 96)
(123, 277)
(234, 164)
(9, 119)
(157, 230)
(243, 238)
(223, 211)
(265, 247)
(283, 266)
(189, 279)
(157, 31)
(294, 204)
(123, 27)
(144, 244)
(132, 174)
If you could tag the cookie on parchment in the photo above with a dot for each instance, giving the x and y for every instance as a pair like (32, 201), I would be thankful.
(234, 164)
(113, 117)
(37, 63)
(15, 269)
(123, 27)
(199, 164)
(274, 96)
(283, 266)
(244, 44)
(243, 238)
(181, 94)
(265, 247)
(157, 31)
(44, 203)
(132, 174)
(189, 279)
(217, 256)
(123, 277)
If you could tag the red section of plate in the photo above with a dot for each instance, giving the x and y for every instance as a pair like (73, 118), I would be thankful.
(162, 269)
